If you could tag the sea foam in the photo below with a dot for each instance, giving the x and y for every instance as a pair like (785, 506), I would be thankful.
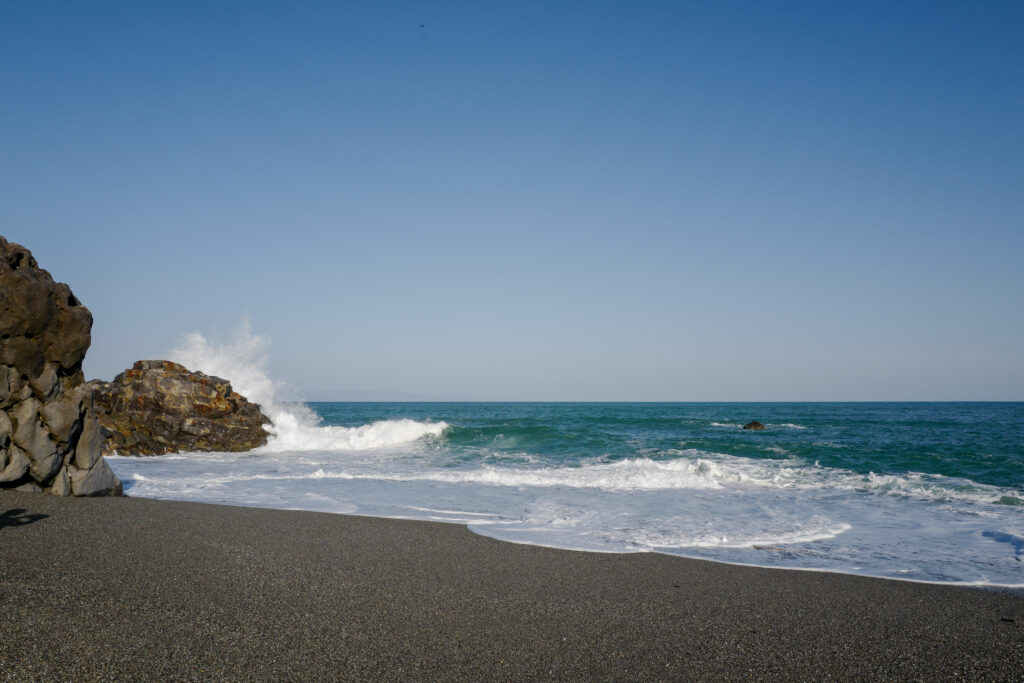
(499, 470)
(294, 427)
(687, 471)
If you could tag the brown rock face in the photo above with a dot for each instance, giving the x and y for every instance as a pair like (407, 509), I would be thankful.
(46, 413)
(159, 407)
(753, 425)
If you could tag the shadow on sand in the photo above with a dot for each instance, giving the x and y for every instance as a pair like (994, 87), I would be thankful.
(18, 517)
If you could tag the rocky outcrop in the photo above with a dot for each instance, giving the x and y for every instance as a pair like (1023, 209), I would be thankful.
(50, 439)
(160, 407)
(753, 425)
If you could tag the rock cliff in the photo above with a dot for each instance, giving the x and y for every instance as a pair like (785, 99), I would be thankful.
(49, 435)
(159, 407)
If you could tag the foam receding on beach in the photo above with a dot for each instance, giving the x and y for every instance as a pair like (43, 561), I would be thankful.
(923, 492)
(773, 513)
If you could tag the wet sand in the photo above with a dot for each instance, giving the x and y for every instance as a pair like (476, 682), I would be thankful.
(155, 590)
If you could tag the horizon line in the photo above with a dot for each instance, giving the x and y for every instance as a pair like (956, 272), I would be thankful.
(443, 400)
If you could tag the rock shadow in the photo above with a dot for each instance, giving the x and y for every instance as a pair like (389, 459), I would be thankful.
(19, 517)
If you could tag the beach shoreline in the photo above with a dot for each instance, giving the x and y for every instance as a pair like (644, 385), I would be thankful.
(141, 588)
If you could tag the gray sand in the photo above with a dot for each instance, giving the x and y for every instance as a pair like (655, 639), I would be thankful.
(141, 589)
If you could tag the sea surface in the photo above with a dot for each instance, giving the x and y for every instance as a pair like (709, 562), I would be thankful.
(915, 491)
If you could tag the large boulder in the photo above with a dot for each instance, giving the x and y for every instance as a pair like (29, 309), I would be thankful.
(753, 425)
(159, 407)
(47, 421)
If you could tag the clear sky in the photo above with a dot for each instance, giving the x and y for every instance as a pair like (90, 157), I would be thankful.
(534, 201)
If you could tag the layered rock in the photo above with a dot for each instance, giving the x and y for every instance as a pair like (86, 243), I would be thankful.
(159, 407)
(50, 439)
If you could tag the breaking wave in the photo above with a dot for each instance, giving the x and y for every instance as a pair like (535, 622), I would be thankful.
(618, 478)
(294, 427)
(737, 425)
(695, 470)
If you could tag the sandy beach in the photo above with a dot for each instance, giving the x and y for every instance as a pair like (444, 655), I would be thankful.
(142, 589)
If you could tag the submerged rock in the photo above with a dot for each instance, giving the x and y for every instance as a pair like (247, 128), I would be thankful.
(160, 407)
(46, 408)
(753, 425)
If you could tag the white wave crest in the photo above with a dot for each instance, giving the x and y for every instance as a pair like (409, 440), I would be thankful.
(699, 470)
(294, 427)
(298, 437)
(784, 425)
(631, 474)
(624, 475)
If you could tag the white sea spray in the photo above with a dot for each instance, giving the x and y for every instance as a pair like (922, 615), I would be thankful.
(294, 427)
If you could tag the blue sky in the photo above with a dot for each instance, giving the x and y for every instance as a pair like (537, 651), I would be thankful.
(535, 201)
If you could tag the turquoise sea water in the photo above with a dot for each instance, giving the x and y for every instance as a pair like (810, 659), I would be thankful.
(924, 491)
(983, 442)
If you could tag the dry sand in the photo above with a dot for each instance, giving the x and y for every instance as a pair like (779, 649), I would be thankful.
(154, 590)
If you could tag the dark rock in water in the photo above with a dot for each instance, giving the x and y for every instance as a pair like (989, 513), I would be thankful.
(160, 407)
(47, 421)
(753, 425)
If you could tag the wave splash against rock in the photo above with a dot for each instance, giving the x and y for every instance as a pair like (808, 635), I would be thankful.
(160, 407)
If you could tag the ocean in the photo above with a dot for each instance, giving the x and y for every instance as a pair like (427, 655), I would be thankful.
(913, 491)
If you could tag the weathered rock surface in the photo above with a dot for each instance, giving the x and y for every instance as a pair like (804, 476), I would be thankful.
(753, 425)
(160, 407)
(47, 419)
